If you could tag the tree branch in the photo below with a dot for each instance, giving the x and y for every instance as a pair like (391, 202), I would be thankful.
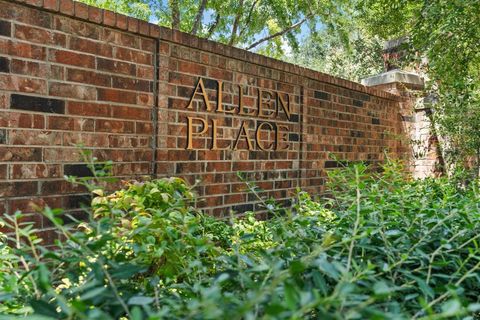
(233, 36)
(213, 26)
(198, 17)
(175, 14)
(249, 18)
(280, 33)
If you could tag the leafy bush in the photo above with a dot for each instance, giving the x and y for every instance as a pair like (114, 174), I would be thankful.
(381, 246)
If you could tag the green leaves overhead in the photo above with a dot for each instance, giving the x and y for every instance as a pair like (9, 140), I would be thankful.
(252, 24)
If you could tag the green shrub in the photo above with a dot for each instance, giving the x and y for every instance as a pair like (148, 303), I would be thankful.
(381, 246)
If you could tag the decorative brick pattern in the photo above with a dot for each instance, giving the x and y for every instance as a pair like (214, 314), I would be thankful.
(160, 102)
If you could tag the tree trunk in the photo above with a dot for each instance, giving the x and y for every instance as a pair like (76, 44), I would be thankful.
(198, 17)
(233, 36)
(248, 19)
(174, 6)
(213, 26)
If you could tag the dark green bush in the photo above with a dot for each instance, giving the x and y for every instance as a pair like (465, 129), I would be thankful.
(381, 247)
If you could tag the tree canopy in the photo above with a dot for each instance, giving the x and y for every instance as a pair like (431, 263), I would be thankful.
(249, 24)
(444, 38)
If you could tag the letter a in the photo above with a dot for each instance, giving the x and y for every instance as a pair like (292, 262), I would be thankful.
(203, 93)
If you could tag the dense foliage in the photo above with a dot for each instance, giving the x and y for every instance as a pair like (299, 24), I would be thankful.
(382, 247)
(355, 58)
(443, 42)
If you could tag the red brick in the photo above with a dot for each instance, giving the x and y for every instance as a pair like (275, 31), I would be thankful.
(18, 189)
(29, 68)
(24, 50)
(35, 171)
(145, 99)
(89, 77)
(35, 138)
(89, 109)
(144, 27)
(131, 113)
(81, 10)
(217, 189)
(95, 14)
(191, 68)
(243, 166)
(72, 91)
(85, 139)
(220, 74)
(62, 155)
(133, 56)
(109, 18)
(22, 84)
(143, 128)
(218, 166)
(114, 126)
(67, 7)
(76, 27)
(131, 84)
(3, 172)
(154, 31)
(31, 16)
(60, 123)
(72, 58)
(164, 48)
(51, 5)
(4, 100)
(145, 72)
(29, 204)
(40, 36)
(60, 187)
(18, 154)
(132, 25)
(88, 46)
(121, 22)
(36, 3)
(234, 199)
(116, 66)
(117, 96)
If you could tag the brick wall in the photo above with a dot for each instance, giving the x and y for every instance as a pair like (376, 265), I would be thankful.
(133, 92)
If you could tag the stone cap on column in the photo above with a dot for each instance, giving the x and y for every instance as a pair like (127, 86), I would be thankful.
(393, 76)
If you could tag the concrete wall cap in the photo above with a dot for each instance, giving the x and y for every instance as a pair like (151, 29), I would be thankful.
(393, 76)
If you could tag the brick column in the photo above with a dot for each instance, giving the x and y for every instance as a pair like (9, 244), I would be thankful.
(425, 159)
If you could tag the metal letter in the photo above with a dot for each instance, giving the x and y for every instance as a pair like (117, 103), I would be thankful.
(214, 137)
(280, 137)
(190, 132)
(286, 107)
(204, 95)
(257, 136)
(245, 132)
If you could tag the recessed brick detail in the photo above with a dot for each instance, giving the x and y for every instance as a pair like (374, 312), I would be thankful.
(358, 103)
(77, 170)
(38, 104)
(4, 64)
(322, 95)
(5, 28)
(3, 136)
